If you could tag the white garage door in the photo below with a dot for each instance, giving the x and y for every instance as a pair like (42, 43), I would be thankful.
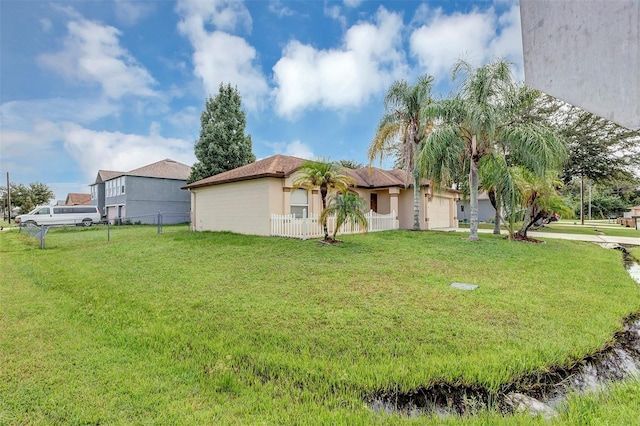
(438, 213)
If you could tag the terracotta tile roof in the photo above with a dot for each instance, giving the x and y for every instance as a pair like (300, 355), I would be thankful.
(279, 166)
(167, 169)
(75, 199)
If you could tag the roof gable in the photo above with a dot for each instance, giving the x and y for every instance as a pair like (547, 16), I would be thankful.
(105, 175)
(75, 199)
(167, 169)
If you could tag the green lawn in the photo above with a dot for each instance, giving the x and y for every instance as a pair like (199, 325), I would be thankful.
(574, 227)
(217, 328)
(590, 228)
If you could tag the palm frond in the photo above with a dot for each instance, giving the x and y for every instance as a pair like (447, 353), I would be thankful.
(345, 206)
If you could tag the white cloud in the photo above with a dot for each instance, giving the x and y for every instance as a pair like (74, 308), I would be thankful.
(478, 36)
(277, 8)
(92, 54)
(131, 12)
(94, 150)
(224, 15)
(352, 3)
(508, 44)
(220, 57)
(29, 143)
(46, 25)
(447, 38)
(21, 115)
(370, 58)
(295, 149)
(186, 119)
(334, 12)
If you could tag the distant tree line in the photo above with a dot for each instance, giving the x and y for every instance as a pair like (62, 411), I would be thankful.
(26, 197)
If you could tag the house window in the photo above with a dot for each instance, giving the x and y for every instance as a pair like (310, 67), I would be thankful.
(122, 185)
(109, 186)
(299, 202)
(94, 192)
(374, 202)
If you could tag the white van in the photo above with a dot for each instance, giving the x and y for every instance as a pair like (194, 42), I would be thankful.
(60, 215)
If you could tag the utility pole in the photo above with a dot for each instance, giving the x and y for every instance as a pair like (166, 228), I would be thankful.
(8, 199)
(582, 200)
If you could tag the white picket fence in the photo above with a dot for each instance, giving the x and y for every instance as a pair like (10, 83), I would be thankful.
(287, 225)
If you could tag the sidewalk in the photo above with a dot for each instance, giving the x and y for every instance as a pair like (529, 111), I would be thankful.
(551, 235)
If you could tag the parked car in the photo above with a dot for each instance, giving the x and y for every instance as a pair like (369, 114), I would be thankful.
(60, 215)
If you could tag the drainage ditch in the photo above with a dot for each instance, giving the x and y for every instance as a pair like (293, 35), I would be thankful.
(538, 394)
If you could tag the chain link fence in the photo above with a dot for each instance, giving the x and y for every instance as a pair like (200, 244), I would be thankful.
(118, 229)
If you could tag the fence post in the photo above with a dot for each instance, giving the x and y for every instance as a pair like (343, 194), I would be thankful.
(42, 234)
(304, 224)
(108, 230)
(159, 222)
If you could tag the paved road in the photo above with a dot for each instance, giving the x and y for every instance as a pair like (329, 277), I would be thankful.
(574, 237)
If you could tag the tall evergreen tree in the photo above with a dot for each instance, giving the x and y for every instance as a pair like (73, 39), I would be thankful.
(222, 144)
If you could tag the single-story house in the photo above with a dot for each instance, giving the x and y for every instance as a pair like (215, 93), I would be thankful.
(242, 200)
(75, 199)
(140, 195)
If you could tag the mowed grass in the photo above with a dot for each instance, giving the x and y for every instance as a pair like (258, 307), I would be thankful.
(590, 228)
(217, 328)
(574, 227)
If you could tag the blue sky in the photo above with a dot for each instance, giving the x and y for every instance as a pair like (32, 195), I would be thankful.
(118, 85)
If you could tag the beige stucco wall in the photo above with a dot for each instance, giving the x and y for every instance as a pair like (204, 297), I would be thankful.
(384, 200)
(405, 207)
(244, 207)
(436, 211)
(313, 197)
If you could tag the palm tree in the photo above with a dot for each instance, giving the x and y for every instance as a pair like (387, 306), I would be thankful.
(400, 131)
(539, 197)
(485, 118)
(348, 206)
(326, 176)
(496, 180)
